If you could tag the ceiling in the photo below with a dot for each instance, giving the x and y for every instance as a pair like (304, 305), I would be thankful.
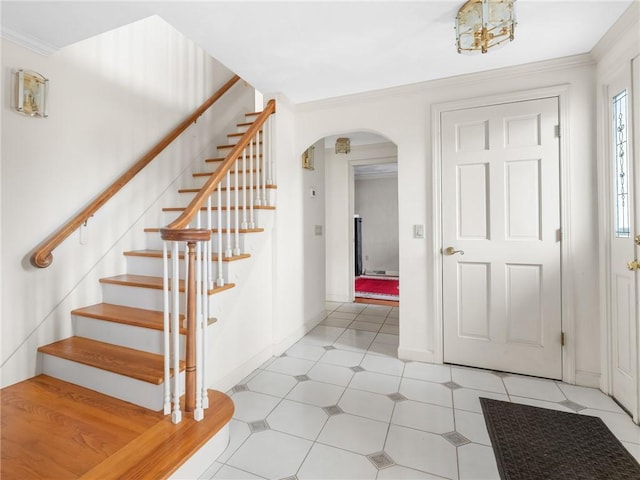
(312, 50)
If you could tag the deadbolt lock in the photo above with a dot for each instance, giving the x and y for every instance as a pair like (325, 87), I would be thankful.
(633, 265)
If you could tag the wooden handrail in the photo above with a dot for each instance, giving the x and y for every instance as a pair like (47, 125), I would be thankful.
(209, 187)
(42, 255)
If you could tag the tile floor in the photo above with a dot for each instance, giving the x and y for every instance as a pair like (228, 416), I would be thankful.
(340, 405)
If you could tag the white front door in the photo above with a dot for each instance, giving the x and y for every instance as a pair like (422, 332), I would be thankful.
(623, 238)
(501, 237)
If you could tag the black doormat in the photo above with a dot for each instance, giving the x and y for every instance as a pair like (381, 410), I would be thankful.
(532, 443)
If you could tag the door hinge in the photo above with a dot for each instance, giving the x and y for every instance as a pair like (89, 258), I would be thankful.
(562, 339)
(559, 235)
(557, 131)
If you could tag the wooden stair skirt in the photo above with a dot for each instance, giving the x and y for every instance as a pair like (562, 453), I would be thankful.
(54, 429)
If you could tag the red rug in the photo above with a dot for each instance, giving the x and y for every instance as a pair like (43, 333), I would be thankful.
(380, 288)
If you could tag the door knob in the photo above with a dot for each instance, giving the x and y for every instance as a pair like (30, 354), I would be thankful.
(453, 251)
(633, 265)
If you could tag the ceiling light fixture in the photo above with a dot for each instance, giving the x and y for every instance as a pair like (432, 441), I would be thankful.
(484, 24)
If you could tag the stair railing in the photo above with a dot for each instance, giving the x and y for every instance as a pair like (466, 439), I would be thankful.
(206, 232)
(42, 255)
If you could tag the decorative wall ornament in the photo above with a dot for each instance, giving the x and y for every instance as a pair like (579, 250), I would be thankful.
(307, 158)
(484, 24)
(32, 90)
(343, 145)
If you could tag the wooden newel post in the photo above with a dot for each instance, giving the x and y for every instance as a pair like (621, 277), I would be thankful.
(191, 237)
(190, 360)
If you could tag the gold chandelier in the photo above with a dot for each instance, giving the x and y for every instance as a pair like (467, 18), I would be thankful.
(484, 24)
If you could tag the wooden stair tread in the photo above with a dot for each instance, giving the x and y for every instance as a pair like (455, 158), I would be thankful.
(145, 281)
(137, 317)
(158, 254)
(224, 189)
(159, 451)
(232, 145)
(239, 134)
(55, 429)
(144, 366)
(222, 159)
(208, 174)
(233, 207)
(213, 230)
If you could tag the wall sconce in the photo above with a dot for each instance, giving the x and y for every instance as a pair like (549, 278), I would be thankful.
(32, 90)
(343, 145)
(307, 158)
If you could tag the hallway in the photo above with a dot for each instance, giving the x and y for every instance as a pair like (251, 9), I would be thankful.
(338, 404)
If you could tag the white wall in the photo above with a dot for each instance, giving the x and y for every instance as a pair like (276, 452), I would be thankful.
(314, 236)
(376, 201)
(403, 115)
(112, 97)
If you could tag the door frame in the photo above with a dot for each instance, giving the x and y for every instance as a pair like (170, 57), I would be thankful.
(606, 218)
(373, 160)
(567, 311)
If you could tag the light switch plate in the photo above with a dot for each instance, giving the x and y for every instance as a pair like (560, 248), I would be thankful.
(418, 231)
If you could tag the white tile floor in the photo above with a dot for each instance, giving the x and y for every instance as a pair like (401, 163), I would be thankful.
(340, 405)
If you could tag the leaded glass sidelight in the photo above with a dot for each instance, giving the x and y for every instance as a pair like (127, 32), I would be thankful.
(620, 157)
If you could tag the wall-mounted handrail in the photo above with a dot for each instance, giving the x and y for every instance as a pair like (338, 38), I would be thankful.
(214, 180)
(42, 255)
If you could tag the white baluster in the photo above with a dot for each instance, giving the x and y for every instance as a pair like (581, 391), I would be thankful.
(270, 180)
(198, 413)
(263, 171)
(250, 194)
(244, 224)
(256, 175)
(166, 329)
(236, 237)
(176, 415)
(228, 252)
(220, 278)
(210, 257)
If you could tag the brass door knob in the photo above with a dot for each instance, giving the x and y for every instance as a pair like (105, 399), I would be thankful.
(633, 265)
(453, 251)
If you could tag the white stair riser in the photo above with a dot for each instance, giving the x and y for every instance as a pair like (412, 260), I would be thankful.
(243, 179)
(153, 266)
(200, 461)
(267, 194)
(168, 217)
(233, 140)
(139, 297)
(141, 393)
(130, 336)
(154, 242)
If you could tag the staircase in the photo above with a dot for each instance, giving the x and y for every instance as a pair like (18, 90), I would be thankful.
(118, 347)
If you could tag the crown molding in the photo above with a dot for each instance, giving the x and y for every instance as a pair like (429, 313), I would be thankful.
(573, 61)
(31, 43)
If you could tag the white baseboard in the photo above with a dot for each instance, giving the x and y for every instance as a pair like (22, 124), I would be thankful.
(234, 377)
(297, 334)
(416, 355)
(588, 379)
(337, 298)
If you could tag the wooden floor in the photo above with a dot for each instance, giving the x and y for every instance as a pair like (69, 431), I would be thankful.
(55, 430)
(373, 301)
